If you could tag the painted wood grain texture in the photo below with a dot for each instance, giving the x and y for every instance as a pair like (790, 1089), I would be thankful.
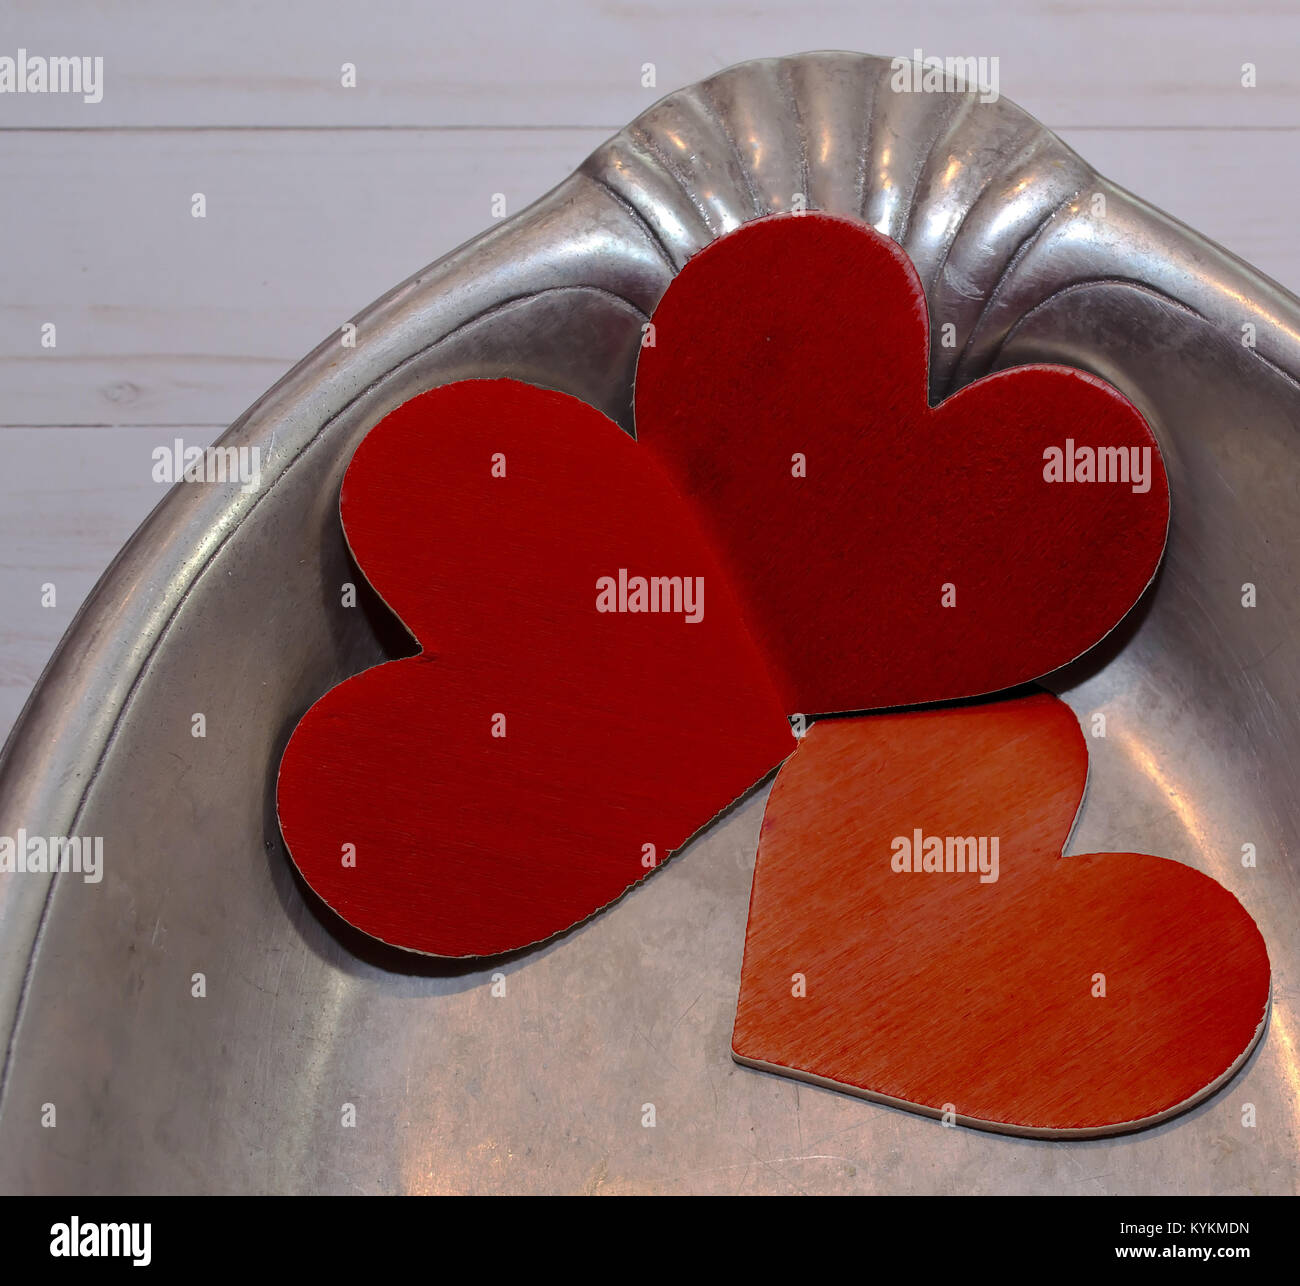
(69, 499)
(977, 989)
(543, 752)
(167, 319)
(577, 62)
(972, 568)
(163, 318)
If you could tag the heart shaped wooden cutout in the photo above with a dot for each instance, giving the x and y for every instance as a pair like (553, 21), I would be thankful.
(541, 754)
(886, 552)
(916, 937)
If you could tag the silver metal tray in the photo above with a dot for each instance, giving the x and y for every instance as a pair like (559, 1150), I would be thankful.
(228, 603)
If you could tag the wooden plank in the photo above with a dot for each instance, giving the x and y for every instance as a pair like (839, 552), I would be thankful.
(249, 63)
(166, 319)
(69, 498)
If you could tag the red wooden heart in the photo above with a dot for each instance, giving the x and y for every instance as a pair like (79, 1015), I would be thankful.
(944, 990)
(622, 729)
(807, 335)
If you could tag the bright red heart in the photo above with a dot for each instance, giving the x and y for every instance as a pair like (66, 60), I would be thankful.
(807, 335)
(399, 805)
(944, 990)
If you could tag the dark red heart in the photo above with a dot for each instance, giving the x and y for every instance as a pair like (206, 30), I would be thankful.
(808, 334)
(621, 729)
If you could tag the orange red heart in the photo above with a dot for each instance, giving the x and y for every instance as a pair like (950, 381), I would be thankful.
(993, 979)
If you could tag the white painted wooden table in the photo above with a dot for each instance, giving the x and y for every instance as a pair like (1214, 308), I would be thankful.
(320, 197)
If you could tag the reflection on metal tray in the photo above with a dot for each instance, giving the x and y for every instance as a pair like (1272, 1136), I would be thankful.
(227, 602)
